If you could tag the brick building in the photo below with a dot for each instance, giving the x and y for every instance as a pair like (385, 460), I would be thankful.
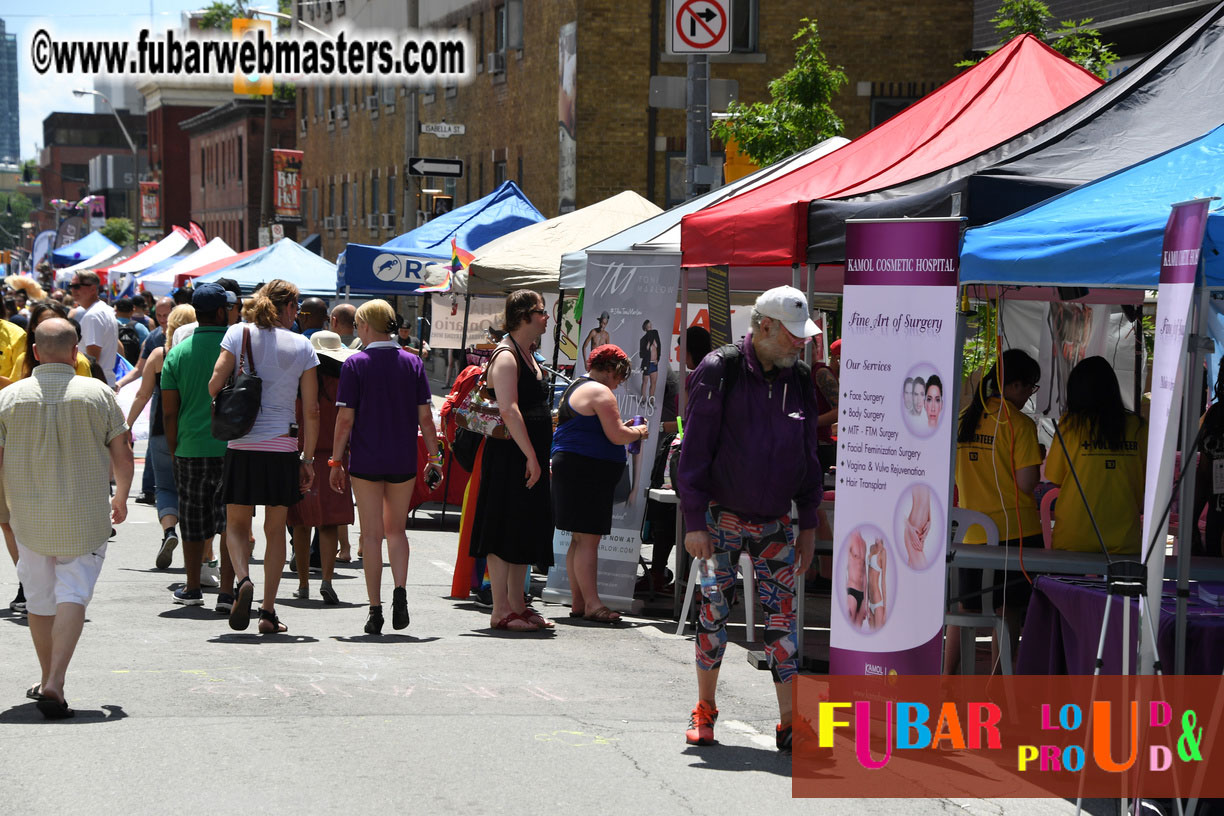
(70, 140)
(354, 163)
(225, 146)
(168, 106)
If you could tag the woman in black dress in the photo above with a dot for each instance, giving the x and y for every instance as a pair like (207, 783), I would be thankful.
(513, 523)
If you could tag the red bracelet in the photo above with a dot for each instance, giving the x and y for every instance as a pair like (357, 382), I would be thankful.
(332, 463)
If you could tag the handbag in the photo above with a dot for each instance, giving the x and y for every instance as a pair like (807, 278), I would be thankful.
(478, 411)
(465, 447)
(236, 405)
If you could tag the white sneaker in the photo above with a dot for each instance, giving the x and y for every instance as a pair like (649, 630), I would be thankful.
(210, 574)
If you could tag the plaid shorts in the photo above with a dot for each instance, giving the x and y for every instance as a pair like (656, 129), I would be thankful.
(200, 503)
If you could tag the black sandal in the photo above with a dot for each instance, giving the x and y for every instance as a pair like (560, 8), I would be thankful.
(240, 612)
(274, 625)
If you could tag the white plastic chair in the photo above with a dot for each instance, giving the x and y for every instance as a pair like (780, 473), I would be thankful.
(749, 579)
(961, 520)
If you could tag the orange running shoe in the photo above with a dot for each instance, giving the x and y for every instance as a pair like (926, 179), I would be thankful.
(701, 724)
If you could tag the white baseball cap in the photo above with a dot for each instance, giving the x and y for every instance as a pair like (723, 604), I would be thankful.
(788, 305)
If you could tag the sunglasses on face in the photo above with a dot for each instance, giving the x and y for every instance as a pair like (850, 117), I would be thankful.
(539, 312)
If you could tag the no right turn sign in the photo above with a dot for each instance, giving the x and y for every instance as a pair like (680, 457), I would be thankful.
(699, 27)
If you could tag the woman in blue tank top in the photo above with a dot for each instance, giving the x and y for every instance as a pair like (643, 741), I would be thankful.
(588, 457)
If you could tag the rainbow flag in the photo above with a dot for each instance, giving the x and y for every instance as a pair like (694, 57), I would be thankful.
(461, 259)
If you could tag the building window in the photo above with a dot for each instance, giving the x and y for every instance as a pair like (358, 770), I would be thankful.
(240, 159)
(344, 200)
(499, 29)
(886, 107)
(331, 199)
(318, 100)
(520, 171)
(391, 194)
(203, 167)
(374, 195)
(744, 19)
(314, 206)
(499, 173)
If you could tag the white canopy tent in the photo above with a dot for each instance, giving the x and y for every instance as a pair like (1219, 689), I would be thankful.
(161, 282)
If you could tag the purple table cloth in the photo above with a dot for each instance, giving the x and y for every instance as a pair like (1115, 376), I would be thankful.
(1063, 627)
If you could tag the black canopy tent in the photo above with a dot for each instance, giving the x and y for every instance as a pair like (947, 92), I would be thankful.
(1171, 97)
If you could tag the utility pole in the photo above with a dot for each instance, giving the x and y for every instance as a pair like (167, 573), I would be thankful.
(697, 142)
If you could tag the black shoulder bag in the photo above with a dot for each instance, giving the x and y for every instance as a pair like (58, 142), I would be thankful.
(236, 406)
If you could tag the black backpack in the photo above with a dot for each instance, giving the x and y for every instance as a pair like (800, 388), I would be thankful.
(733, 365)
(129, 342)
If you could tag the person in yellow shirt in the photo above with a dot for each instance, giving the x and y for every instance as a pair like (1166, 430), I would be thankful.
(998, 462)
(1106, 446)
(12, 343)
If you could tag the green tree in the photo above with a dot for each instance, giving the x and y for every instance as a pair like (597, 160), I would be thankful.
(799, 113)
(1073, 39)
(15, 210)
(119, 230)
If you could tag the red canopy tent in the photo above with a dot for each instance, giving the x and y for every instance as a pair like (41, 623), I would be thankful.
(1015, 88)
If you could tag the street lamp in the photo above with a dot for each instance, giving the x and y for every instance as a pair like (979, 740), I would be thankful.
(132, 212)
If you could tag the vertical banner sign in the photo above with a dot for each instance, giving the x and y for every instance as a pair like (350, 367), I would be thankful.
(150, 209)
(894, 449)
(567, 118)
(97, 212)
(718, 295)
(640, 302)
(1179, 260)
(287, 186)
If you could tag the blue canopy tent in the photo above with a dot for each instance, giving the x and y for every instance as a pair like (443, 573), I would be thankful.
(82, 249)
(398, 266)
(1110, 233)
(286, 259)
(1107, 233)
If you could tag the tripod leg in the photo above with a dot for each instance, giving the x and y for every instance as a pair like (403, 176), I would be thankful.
(1096, 672)
(1157, 668)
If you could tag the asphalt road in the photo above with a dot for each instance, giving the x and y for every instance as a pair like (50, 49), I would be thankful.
(176, 711)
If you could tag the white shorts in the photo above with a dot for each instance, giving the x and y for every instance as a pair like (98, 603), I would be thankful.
(49, 581)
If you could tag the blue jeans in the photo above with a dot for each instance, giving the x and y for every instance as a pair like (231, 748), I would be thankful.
(163, 476)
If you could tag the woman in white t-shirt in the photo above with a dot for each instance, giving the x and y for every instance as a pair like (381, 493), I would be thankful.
(263, 467)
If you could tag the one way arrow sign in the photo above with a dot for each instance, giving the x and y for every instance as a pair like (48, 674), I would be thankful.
(445, 168)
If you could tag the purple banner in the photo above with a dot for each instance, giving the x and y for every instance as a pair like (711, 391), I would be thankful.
(895, 424)
(908, 252)
(1183, 241)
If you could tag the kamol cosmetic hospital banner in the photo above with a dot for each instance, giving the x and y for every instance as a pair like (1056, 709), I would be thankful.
(638, 307)
(1179, 260)
(894, 459)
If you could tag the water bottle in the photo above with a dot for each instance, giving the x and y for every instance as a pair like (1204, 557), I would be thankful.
(636, 447)
(709, 581)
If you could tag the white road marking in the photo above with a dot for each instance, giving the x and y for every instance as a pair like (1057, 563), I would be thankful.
(449, 569)
(750, 732)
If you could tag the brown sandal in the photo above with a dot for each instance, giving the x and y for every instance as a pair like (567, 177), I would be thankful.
(603, 615)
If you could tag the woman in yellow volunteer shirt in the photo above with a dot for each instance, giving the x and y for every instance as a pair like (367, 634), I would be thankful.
(1106, 446)
(997, 466)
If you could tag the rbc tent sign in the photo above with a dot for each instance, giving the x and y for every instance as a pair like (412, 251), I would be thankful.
(378, 270)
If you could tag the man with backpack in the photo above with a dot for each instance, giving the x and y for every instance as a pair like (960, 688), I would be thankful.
(750, 448)
(131, 334)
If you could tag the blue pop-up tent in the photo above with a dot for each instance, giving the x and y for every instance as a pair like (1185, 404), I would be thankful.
(398, 266)
(82, 249)
(287, 260)
(1107, 233)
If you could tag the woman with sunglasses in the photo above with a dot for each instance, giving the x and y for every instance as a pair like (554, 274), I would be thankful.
(513, 523)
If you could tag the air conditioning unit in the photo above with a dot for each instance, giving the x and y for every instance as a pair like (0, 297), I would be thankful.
(387, 220)
(329, 222)
(303, 124)
(388, 95)
(331, 116)
(495, 62)
(342, 111)
(372, 221)
(372, 105)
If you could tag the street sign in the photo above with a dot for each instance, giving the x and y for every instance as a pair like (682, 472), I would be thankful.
(443, 130)
(445, 168)
(699, 27)
(672, 92)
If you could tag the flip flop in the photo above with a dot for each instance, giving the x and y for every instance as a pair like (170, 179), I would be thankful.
(34, 692)
(53, 709)
(505, 624)
(532, 616)
(603, 615)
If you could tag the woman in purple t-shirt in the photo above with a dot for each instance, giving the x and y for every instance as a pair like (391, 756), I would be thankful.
(383, 396)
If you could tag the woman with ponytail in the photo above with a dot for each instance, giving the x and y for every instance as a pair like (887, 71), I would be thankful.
(263, 467)
(383, 397)
(998, 462)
